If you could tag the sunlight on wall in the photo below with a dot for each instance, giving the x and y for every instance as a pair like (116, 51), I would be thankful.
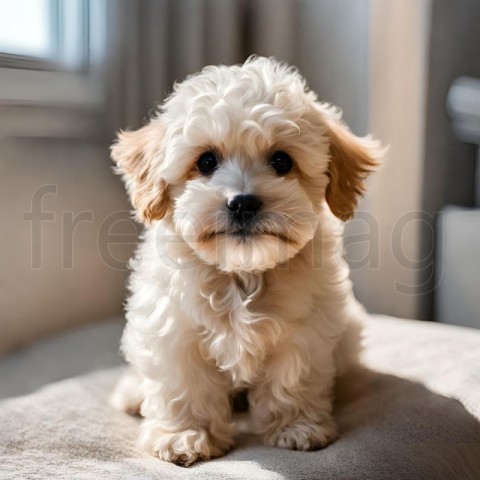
(399, 41)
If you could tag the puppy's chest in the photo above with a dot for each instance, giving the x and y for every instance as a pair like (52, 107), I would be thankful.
(241, 320)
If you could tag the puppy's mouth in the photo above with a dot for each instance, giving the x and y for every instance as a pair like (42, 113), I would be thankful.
(245, 234)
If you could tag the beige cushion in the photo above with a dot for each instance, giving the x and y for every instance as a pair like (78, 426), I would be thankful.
(394, 424)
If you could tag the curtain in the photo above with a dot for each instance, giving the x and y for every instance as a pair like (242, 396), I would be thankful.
(152, 43)
(155, 42)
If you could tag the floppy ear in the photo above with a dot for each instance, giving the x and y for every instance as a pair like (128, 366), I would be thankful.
(352, 159)
(138, 156)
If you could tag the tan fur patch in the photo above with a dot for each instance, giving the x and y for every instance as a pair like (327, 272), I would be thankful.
(352, 160)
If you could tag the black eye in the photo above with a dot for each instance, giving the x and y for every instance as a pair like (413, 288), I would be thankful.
(281, 162)
(207, 163)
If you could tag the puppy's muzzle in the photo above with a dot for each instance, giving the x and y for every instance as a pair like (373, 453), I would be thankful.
(243, 208)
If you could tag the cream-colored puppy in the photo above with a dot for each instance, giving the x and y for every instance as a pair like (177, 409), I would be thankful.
(241, 179)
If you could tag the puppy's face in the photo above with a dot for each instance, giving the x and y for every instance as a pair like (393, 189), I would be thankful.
(240, 162)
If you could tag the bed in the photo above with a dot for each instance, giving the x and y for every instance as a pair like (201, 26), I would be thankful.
(412, 412)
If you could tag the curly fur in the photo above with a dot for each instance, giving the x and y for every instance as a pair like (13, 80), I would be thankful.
(211, 313)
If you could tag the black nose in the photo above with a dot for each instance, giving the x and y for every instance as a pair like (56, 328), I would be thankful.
(244, 206)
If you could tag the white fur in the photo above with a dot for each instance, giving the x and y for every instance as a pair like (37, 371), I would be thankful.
(209, 313)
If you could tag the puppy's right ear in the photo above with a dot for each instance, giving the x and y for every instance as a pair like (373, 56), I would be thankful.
(138, 156)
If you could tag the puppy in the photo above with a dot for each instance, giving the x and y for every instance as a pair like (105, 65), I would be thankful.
(243, 180)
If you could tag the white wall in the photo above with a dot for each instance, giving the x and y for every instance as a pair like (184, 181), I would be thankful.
(54, 276)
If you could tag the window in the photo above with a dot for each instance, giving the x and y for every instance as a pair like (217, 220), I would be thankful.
(55, 32)
(27, 28)
(51, 57)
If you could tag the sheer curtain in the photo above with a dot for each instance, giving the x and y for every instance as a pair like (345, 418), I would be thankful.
(154, 42)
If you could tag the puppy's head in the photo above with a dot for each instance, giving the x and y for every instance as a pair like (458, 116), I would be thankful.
(240, 161)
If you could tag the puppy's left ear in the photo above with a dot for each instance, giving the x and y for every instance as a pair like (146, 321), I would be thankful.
(352, 159)
(139, 155)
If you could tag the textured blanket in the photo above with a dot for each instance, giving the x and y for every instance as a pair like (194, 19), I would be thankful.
(413, 414)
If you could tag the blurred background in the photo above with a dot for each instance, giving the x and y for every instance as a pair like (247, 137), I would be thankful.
(72, 72)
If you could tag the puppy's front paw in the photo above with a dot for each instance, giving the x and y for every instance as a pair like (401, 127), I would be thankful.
(182, 448)
(301, 435)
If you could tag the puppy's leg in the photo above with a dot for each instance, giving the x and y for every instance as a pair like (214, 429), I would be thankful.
(128, 394)
(292, 405)
(187, 407)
